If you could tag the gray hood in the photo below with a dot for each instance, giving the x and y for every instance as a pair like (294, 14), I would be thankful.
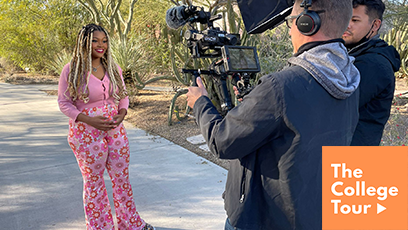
(332, 67)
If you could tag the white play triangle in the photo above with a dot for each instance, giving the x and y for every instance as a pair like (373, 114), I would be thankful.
(380, 208)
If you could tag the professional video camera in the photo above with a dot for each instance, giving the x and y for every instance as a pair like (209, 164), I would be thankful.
(241, 62)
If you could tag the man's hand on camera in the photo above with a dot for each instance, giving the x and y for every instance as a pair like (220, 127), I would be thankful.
(195, 92)
(236, 92)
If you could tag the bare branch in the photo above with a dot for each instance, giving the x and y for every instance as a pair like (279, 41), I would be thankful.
(116, 9)
(96, 10)
(94, 16)
(108, 5)
(129, 21)
(121, 18)
(100, 2)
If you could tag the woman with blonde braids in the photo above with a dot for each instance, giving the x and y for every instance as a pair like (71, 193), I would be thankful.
(92, 94)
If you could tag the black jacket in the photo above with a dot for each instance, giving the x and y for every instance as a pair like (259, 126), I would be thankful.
(377, 62)
(274, 139)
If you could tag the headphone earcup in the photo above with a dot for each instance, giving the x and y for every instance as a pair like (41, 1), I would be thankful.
(308, 23)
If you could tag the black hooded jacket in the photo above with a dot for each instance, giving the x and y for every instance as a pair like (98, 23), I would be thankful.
(274, 139)
(377, 62)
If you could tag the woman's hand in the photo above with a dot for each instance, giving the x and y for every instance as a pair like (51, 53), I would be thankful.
(120, 116)
(98, 122)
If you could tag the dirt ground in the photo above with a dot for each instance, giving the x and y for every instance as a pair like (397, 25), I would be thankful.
(149, 111)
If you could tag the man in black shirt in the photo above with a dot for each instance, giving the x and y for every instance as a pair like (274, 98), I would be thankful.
(377, 62)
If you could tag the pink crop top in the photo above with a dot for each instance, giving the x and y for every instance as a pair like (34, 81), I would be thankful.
(98, 95)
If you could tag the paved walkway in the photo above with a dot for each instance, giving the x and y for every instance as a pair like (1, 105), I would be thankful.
(41, 185)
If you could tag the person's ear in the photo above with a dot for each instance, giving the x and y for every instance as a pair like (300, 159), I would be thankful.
(377, 25)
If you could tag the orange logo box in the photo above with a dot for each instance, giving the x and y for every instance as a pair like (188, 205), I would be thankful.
(365, 188)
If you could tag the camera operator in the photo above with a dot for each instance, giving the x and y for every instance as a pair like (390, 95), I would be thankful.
(274, 138)
(377, 62)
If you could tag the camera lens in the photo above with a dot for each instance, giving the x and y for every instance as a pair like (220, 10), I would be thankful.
(233, 39)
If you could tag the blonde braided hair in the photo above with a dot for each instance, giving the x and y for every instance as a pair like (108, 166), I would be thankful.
(81, 65)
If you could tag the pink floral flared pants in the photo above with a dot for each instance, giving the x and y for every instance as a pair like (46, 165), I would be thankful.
(96, 150)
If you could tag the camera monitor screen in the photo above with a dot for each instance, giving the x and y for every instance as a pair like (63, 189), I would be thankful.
(239, 59)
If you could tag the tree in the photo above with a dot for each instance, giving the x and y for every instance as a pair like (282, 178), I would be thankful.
(35, 32)
(109, 13)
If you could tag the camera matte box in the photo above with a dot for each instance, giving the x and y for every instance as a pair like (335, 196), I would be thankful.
(261, 15)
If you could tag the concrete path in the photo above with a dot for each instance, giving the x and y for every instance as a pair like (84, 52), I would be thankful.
(41, 185)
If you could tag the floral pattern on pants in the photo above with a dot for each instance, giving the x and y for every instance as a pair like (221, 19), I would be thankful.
(96, 150)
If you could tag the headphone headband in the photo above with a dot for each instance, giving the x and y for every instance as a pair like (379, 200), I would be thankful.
(306, 4)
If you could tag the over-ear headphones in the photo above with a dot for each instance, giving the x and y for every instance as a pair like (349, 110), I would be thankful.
(308, 22)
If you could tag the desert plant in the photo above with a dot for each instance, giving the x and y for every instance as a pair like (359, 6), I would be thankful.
(58, 63)
(398, 37)
(130, 56)
(274, 48)
(6, 66)
(149, 23)
(396, 13)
